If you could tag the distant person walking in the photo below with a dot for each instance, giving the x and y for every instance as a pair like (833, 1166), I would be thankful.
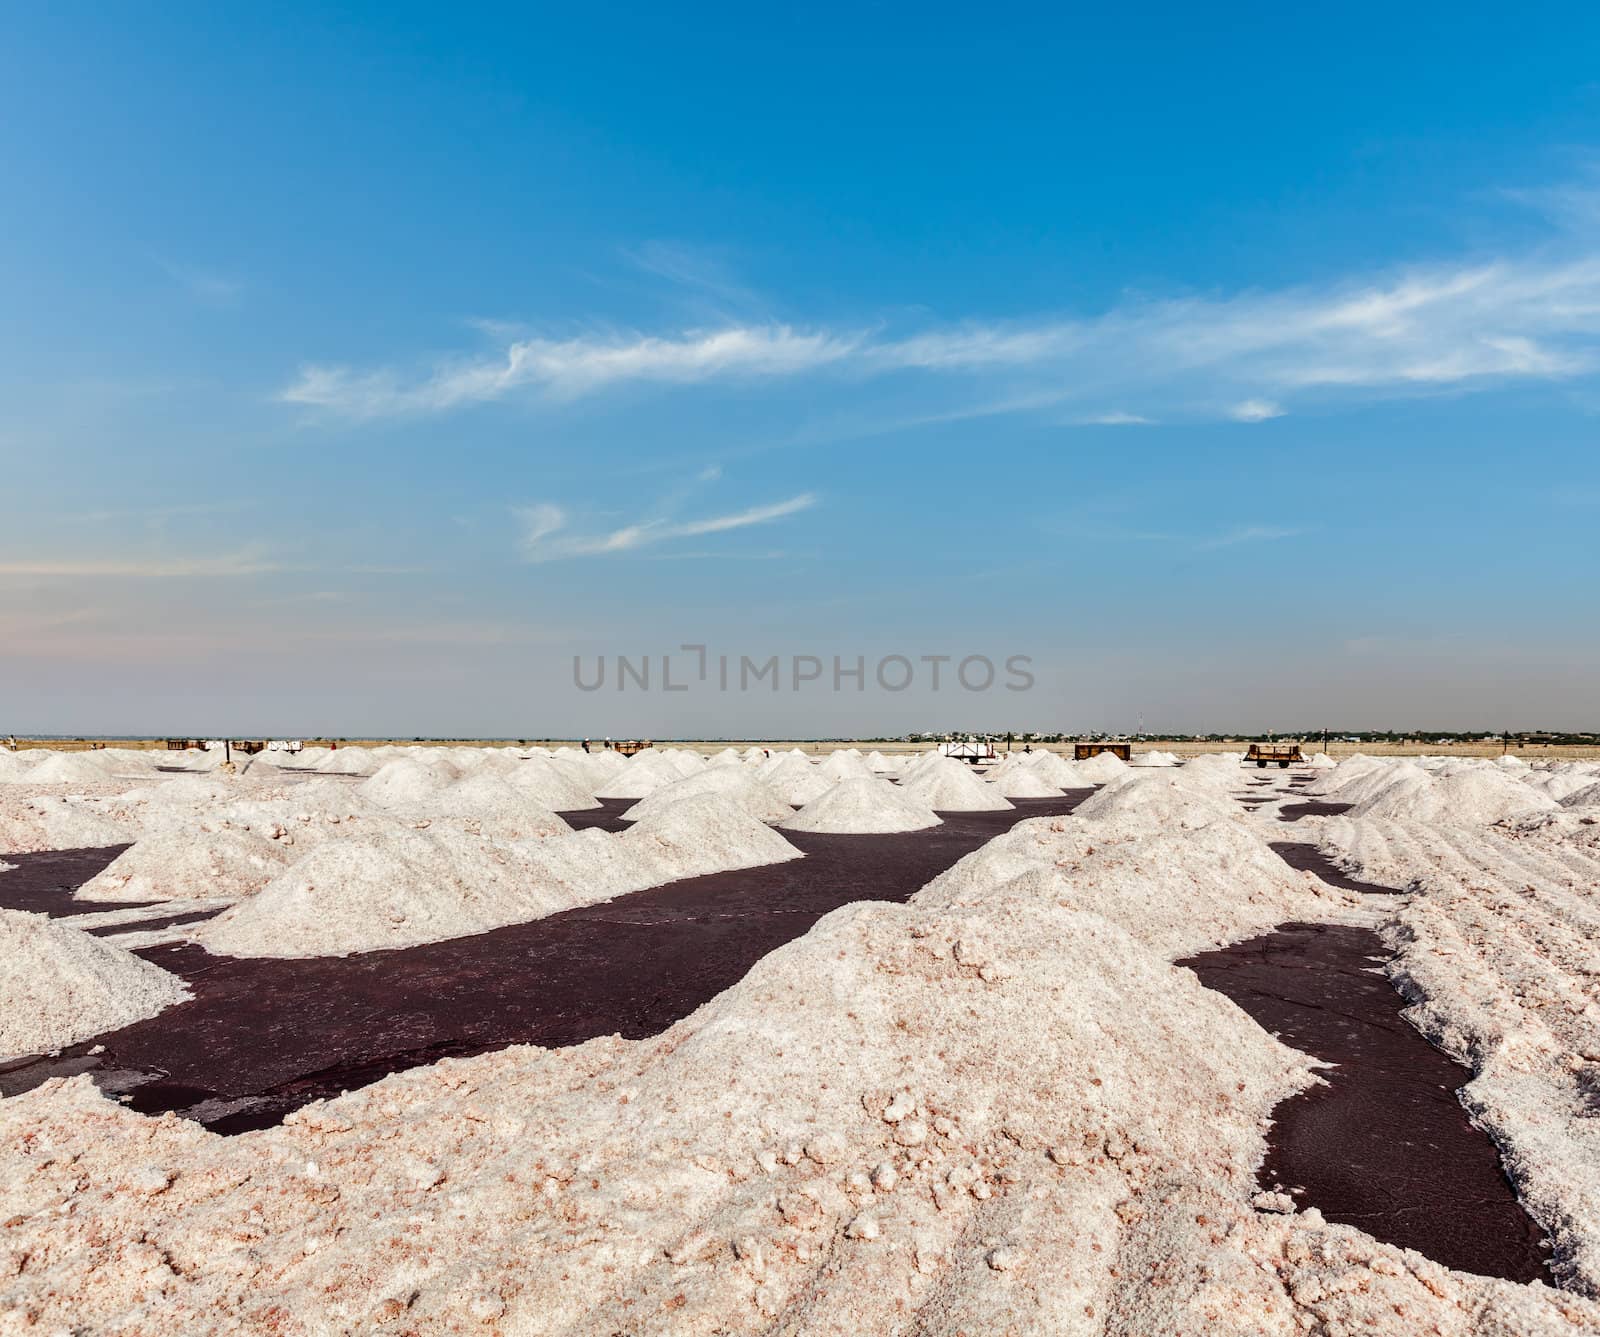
(585, 744)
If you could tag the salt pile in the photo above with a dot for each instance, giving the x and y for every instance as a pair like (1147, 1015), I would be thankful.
(1587, 797)
(57, 822)
(862, 806)
(393, 887)
(705, 834)
(946, 785)
(794, 779)
(843, 765)
(1101, 767)
(406, 783)
(641, 774)
(59, 985)
(1143, 801)
(1477, 796)
(1219, 770)
(1057, 770)
(204, 864)
(737, 784)
(1154, 757)
(1178, 885)
(1023, 782)
(488, 805)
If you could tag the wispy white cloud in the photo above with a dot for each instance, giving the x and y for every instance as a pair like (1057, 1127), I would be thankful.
(1248, 534)
(696, 269)
(1114, 419)
(571, 367)
(1247, 357)
(543, 536)
(1255, 410)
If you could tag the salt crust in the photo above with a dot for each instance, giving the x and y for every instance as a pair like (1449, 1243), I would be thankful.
(996, 1109)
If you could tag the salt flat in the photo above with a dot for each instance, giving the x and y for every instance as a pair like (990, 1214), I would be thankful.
(999, 1106)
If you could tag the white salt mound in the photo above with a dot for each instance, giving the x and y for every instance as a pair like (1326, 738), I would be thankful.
(1154, 757)
(492, 806)
(190, 864)
(1102, 767)
(794, 779)
(1146, 801)
(705, 834)
(1023, 782)
(392, 887)
(844, 765)
(749, 791)
(60, 985)
(406, 783)
(1176, 889)
(1587, 797)
(1056, 770)
(1475, 797)
(863, 806)
(643, 773)
(946, 785)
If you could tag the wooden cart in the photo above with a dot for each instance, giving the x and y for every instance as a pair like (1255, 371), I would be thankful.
(1083, 751)
(1267, 754)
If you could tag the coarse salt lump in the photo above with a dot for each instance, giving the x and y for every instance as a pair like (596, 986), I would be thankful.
(862, 806)
(60, 985)
(947, 785)
(189, 864)
(749, 791)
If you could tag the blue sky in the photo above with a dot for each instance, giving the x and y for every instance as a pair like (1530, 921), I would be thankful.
(360, 367)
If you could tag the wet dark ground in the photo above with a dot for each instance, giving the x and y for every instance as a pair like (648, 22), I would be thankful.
(1293, 812)
(263, 1036)
(44, 882)
(1385, 1145)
